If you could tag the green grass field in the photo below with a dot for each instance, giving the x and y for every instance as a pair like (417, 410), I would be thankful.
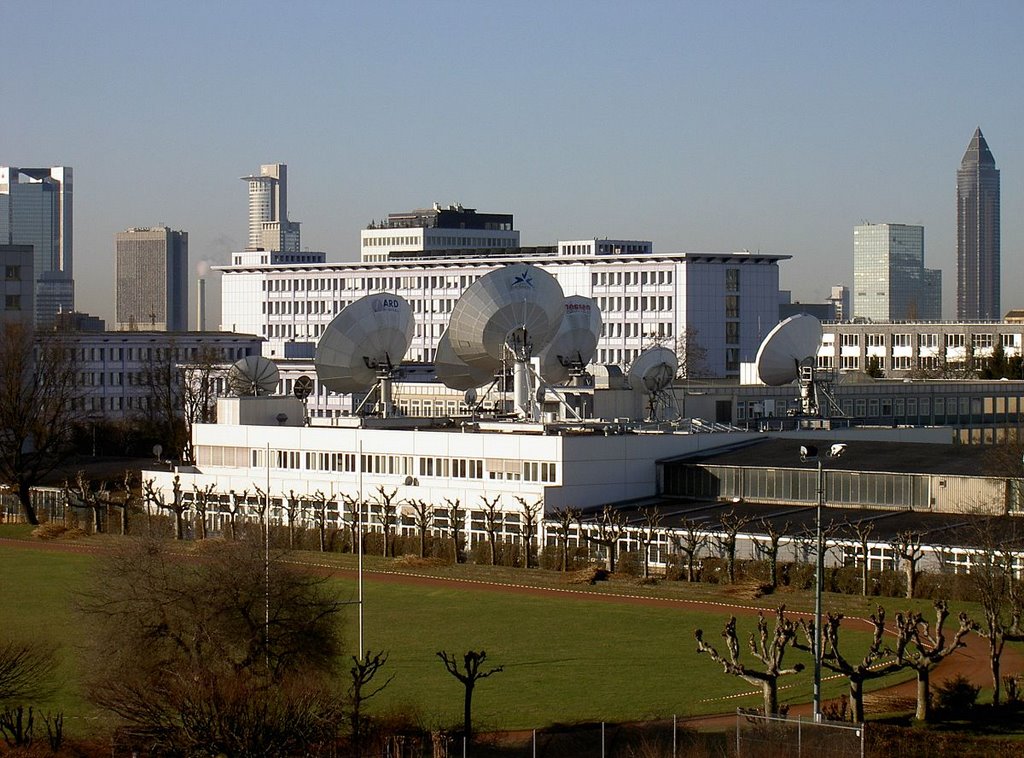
(566, 658)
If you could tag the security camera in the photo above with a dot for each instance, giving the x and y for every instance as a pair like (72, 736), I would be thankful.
(837, 449)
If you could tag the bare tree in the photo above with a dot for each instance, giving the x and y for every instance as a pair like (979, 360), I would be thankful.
(456, 521)
(211, 655)
(862, 531)
(907, 547)
(775, 533)
(293, 505)
(565, 518)
(26, 672)
(201, 499)
(236, 503)
(610, 526)
(493, 522)
(354, 521)
(470, 673)
(198, 394)
(423, 516)
(162, 414)
(319, 503)
(124, 500)
(81, 495)
(691, 355)
(533, 514)
(689, 539)
(923, 648)
(387, 516)
(646, 533)
(997, 590)
(175, 505)
(731, 525)
(767, 647)
(40, 407)
(363, 671)
(877, 662)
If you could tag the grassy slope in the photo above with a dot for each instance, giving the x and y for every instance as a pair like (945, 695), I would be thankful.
(566, 659)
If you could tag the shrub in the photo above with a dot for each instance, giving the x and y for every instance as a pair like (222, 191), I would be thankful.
(890, 583)
(629, 563)
(956, 696)
(51, 530)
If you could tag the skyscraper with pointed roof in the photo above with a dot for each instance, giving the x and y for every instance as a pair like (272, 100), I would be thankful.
(977, 233)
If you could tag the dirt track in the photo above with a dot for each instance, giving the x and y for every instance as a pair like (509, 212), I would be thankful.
(970, 661)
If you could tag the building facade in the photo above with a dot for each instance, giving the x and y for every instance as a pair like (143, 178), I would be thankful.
(977, 233)
(152, 279)
(17, 290)
(724, 302)
(36, 208)
(437, 231)
(269, 227)
(114, 368)
(890, 282)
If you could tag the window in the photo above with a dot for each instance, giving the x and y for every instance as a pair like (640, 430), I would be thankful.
(732, 280)
(12, 273)
(956, 340)
(875, 340)
(732, 306)
(732, 332)
(850, 340)
(901, 340)
(12, 302)
(981, 340)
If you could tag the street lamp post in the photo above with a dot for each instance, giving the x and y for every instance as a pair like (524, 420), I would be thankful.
(810, 453)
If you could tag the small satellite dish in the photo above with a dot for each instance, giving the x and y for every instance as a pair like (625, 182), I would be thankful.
(303, 387)
(515, 308)
(455, 372)
(575, 343)
(158, 449)
(470, 397)
(791, 343)
(653, 370)
(367, 339)
(253, 375)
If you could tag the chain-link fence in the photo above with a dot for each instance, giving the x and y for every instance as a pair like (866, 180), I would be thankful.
(759, 736)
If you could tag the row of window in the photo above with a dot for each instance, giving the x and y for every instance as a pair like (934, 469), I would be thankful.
(979, 340)
(630, 278)
(651, 303)
(369, 283)
(374, 463)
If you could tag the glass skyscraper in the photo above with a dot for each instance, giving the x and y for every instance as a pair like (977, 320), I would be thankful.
(977, 233)
(36, 209)
(890, 282)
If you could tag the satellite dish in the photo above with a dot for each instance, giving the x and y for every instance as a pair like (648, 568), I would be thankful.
(303, 387)
(653, 370)
(367, 339)
(470, 397)
(788, 345)
(253, 375)
(516, 308)
(575, 342)
(455, 372)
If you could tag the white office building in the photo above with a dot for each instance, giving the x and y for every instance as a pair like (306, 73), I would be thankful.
(438, 230)
(724, 302)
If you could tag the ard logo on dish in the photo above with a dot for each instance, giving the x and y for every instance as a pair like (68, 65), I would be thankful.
(385, 304)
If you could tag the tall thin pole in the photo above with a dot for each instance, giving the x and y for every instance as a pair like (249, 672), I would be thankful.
(266, 563)
(818, 577)
(359, 539)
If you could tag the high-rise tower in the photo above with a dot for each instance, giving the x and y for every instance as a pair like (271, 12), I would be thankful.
(890, 282)
(152, 279)
(269, 227)
(36, 209)
(977, 233)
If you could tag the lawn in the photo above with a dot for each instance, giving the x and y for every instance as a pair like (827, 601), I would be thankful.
(566, 658)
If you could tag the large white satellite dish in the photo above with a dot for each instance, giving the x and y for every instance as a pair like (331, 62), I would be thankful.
(789, 344)
(253, 375)
(516, 308)
(509, 314)
(575, 343)
(790, 353)
(455, 372)
(364, 345)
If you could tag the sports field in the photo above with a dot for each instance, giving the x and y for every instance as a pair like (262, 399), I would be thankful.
(567, 657)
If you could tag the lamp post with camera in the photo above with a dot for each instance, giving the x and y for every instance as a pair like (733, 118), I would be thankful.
(809, 453)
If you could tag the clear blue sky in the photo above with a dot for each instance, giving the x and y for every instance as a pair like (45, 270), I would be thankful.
(772, 126)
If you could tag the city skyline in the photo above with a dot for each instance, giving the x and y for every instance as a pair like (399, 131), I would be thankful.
(727, 127)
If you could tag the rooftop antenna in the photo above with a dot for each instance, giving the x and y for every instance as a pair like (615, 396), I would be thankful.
(253, 375)
(652, 373)
(363, 347)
